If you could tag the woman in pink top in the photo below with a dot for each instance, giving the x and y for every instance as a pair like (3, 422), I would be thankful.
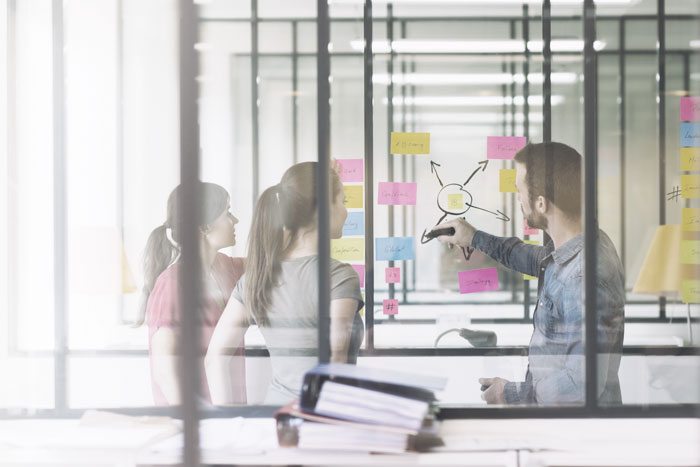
(160, 302)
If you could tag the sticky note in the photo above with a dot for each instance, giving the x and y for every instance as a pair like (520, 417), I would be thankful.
(528, 277)
(455, 201)
(391, 306)
(348, 249)
(393, 275)
(353, 196)
(691, 219)
(690, 135)
(690, 251)
(478, 280)
(362, 310)
(690, 159)
(410, 143)
(691, 291)
(527, 230)
(397, 193)
(360, 270)
(531, 242)
(690, 186)
(351, 170)
(504, 147)
(394, 249)
(354, 224)
(690, 109)
(507, 181)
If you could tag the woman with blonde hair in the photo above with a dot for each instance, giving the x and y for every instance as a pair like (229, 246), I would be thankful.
(279, 291)
(160, 306)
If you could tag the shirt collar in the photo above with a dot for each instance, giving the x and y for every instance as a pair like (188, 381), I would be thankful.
(568, 250)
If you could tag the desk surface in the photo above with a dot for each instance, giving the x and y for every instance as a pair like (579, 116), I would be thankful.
(540, 442)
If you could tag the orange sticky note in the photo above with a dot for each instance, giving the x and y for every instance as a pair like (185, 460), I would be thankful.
(353, 196)
(507, 181)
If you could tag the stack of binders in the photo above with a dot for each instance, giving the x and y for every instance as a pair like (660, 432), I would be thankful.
(354, 408)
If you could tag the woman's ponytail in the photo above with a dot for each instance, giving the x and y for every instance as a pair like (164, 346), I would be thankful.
(158, 255)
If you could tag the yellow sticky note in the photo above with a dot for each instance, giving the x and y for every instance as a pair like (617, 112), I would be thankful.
(507, 181)
(690, 252)
(455, 201)
(691, 219)
(691, 291)
(353, 196)
(690, 186)
(410, 143)
(532, 242)
(528, 277)
(348, 249)
(362, 310)
(690, 159)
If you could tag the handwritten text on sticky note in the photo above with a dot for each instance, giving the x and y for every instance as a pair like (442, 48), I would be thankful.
(353, 196)
(478, 280)
(354, 224)
(690, 186)
(690, 251)
(691, 219)
(410, 143)
(394, 249)
(690, 109)
(507, 181)
(527, 230)
(397, 193)
(691, 291)
(690, 134)
(360, 270)
(455, 201)
(690, 159)
(351, 170)
(391, 306)
(504, 147)
(393, 275)
(348, 249)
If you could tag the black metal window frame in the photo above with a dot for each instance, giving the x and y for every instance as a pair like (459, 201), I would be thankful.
(189, 158)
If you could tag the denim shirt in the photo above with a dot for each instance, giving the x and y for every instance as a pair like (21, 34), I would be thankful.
(556, 370)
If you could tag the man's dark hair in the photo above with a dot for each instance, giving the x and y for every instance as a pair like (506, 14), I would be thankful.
(553, 170)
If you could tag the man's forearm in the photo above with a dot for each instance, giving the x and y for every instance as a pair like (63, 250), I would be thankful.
(510, 252)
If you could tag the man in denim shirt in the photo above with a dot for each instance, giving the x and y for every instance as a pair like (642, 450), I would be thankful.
(556, 371)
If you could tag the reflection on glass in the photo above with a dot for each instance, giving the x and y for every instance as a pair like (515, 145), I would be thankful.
(161, 307)
(279, 290)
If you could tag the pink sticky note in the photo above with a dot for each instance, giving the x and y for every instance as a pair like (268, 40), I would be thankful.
(504, 147)
(351, 170)
(690, 109)
(397, 193)
(393, 275)
(360, 270)
(527, 230)
(478, 280)
(391, 306)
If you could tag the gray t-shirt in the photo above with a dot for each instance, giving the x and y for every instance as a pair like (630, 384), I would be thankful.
(292, 335)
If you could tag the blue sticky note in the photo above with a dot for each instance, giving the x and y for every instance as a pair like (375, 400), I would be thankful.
(690, 134)
(354, 224)
(395, 249)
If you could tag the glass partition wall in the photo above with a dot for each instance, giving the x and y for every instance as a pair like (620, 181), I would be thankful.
(95, 145)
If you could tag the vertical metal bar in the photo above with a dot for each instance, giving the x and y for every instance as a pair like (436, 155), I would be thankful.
(526, 130)
(513, 113)
(323, 194)
(295, 93)
(60, 212)
(390, 124)
(189, 221)
(404, 209)
(590, 182)
(621, 102)
(504, 93)
(547, 72)
(413, 167)
(369, 175)
(661, 117)
(255, 98)
(686, 87)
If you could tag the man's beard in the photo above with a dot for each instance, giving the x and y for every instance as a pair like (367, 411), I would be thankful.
(536, 220)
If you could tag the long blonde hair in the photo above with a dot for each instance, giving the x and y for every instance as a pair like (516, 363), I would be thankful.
(288, 206)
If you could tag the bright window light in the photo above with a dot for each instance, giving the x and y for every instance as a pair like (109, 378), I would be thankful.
(407, 46)
(481, 2)
(468, 117)
(695, 44)
(471, 101)
(436, 79)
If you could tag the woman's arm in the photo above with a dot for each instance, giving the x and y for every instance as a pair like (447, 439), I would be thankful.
(164, 358)
(342, 314)
(226, 339)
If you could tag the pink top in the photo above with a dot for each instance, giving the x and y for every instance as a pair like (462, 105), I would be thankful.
(163, 310)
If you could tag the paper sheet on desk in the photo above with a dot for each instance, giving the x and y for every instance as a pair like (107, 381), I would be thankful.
(239, 435)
